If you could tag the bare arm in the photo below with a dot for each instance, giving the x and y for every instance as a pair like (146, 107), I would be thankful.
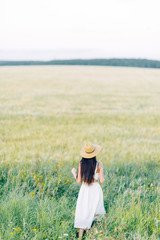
(77, 178)
(101, 177)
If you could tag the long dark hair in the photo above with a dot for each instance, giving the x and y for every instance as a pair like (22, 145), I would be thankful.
(88, 166)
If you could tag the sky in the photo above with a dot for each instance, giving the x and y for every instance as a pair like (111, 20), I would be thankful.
(79, 29)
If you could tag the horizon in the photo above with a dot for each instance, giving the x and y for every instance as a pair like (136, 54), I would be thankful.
(63, 54)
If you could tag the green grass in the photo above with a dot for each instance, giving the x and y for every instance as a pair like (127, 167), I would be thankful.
(42, 196)
(46, 115)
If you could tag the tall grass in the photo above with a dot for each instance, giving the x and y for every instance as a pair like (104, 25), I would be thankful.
(38, 202)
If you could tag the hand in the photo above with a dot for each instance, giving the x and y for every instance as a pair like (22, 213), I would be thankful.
(74, 171)
(100, 165)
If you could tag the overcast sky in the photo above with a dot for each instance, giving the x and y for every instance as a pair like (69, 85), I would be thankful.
(81, 28)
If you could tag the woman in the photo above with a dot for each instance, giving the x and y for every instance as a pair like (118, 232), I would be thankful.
(90, 198)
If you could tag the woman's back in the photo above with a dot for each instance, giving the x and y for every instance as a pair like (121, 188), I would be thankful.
(90, 197)
(89, 202)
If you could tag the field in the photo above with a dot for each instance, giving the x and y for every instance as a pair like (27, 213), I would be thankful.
(47, 113)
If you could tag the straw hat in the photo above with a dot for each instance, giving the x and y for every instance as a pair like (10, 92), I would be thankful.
(90, 150)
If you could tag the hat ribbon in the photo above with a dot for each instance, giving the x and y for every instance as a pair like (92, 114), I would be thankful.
(90, 152)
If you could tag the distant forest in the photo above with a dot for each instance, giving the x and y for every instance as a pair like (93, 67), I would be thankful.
(144, 63)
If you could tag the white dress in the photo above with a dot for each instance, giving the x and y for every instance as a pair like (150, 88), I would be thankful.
(89, 203)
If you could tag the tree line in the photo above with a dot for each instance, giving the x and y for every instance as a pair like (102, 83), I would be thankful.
(123, 62)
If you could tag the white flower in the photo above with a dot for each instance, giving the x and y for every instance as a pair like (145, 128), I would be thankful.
(65, 234)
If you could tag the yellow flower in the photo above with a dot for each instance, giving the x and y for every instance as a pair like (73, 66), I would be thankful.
(11, 233)
(51, 198)
(32, 194)
(19, 229)
(34, 229)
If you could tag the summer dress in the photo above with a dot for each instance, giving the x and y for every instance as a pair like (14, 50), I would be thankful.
(89, 203)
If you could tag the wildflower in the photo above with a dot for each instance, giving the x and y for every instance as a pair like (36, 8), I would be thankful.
(23, 172)
(65, 234)
(32, 194)
(11, 233)
(34, 229)
(51, 198)
(157, 220)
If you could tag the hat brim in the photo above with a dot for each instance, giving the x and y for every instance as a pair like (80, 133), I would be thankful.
(90, 155)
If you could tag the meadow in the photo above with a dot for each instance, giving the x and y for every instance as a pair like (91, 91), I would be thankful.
(47, 113)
